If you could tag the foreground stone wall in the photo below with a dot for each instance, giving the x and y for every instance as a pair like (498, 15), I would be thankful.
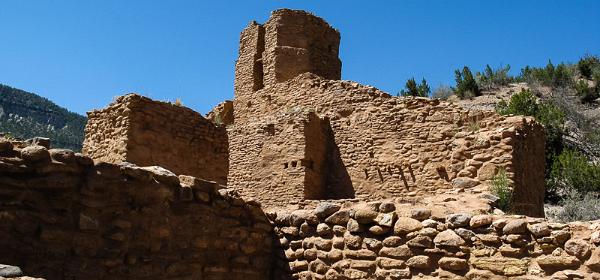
(380, 241)
(139, 130)
(64, 217)
(383, 146)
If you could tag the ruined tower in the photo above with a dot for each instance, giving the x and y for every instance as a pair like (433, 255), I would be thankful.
(290, 43)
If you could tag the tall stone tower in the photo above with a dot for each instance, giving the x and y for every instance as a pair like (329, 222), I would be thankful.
(290, 43)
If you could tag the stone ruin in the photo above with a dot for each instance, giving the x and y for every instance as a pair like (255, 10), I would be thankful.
(301, 176)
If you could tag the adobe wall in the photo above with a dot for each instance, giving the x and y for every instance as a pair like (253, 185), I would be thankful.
(64, 217)
(386, 147)
(139, 130)
(386, 241)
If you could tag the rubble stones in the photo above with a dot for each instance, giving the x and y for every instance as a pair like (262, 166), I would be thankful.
(339, 218)
(449, 238)
(594, 262)
(325, 209)
(35, 154)
(387, 207)
(10, 271)
(578, 248)
(454, 264)
(406, 225)
(365, 215)
(481, 221)
(421, 262)
(501, 265)
(420, 214)
(458, 220)
(553, 263)
(539, 229)
(515, 227)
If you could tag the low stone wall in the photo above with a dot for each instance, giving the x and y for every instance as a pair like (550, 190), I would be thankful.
(64, 217)
(372, 241)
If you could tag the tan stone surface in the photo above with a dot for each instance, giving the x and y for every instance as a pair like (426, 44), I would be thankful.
(139, 130)
(298, 137)
(67, 216)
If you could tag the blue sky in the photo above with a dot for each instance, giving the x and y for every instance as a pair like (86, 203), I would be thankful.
(81, 54)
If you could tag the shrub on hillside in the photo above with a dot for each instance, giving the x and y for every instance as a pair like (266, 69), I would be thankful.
(586, 93)
(494, 78)
(552, 76)
(596, 78)
(587, 65)
(412, 89)
(442, 92)
(522, 103)
(466, 86)
(578, 207)
(571, 170)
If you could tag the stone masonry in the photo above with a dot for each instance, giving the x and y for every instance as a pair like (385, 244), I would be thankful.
(62, 216)
(139, 130)
(369, 145)
(375, 241)
(301, 176)
(296, 134)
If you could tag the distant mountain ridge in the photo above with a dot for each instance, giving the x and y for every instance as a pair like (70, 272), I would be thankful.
(26, 115)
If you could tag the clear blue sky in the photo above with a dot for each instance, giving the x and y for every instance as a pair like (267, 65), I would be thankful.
(81, 54)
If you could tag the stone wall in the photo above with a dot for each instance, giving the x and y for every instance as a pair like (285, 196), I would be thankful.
(368, 144)
(64, 217)
(139, 130)
(384, 146)
(384, 241)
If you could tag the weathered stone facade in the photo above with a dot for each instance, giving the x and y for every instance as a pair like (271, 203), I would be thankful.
(139, 130)
(294, 138)
(64, 217)
(406, 183)
(370, 145)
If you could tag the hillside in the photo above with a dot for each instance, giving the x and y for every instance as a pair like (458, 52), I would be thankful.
(26, 115)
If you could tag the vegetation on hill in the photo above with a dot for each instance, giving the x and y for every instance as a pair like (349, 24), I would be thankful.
(466, 86)
(26, 115)
(412, 89)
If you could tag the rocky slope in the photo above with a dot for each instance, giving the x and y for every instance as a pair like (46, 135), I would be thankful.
(26, 115)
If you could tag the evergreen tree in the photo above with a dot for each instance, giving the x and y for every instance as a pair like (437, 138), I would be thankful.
(466, 86)
(412, 89)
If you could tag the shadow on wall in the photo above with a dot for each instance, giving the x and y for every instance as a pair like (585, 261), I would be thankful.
(326, 175)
